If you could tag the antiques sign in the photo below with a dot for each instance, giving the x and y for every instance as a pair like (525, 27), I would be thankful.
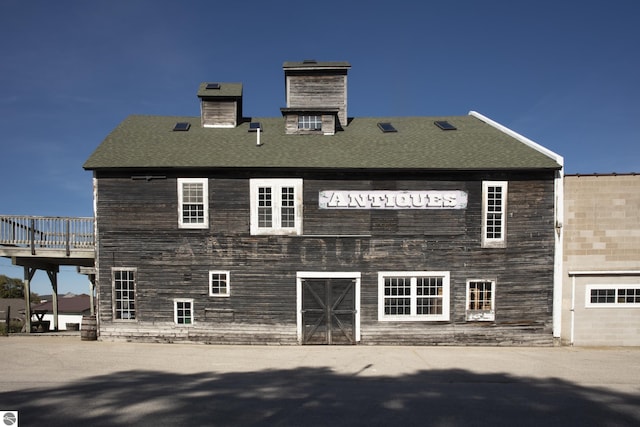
(430, 199)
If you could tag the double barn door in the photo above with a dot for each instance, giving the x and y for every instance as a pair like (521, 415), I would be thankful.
(329, 311)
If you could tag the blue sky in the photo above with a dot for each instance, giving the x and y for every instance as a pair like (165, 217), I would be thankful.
(562, 73)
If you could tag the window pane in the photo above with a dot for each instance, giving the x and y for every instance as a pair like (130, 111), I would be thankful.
(628, 296)
(124, 293)
(494, 212)
(192, 203)
(310, 122)
(480, 295)
(183, 312)
(393, 287)
(219, 284)
(603, 296)
(265, 203)
(432, 287)
(288, 208)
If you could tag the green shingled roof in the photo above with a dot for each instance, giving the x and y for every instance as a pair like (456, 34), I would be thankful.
(150, 142)
(224, 90)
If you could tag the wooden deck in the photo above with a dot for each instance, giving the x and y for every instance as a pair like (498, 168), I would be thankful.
(50, 240)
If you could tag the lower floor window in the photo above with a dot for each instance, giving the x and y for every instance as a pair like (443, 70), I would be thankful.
(480, 300)
(183, 311)
(124, 293)
(420, 295)
(613, 296)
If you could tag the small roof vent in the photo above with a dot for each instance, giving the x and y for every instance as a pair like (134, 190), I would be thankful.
(444, 125)
(213, 86)
(254, 126)
(387, 127)
(182, 126)
(309, 61)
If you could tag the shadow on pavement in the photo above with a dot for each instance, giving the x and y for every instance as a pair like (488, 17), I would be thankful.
(320, 397)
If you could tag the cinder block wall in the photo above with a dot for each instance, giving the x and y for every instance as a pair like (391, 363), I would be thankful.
(601, 232)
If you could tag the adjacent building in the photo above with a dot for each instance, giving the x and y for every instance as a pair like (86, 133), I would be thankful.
(314, 227)
(601, 292)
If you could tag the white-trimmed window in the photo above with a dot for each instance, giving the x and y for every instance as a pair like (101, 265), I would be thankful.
(608, 296)
(276, 206)
(413, 295)
(219, 284)
(193, 203)
(310, 122)
(183, 311)
(494, 214)
(481, 297)
(124, 293)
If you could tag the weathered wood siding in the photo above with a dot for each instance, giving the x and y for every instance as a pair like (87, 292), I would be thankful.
(138, 227)
(326, 89)
(220, 113)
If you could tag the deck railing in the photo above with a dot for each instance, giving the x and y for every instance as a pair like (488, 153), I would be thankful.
(47, 232)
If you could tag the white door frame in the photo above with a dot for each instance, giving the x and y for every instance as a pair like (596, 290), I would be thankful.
(301, 275)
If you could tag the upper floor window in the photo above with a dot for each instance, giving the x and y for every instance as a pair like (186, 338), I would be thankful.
(411, 296)
(276, 206)
(124, 293)
(310, 122)
(193, 203)
(494, 208)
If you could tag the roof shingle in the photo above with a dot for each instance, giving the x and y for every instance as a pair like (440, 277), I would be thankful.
(149, 142)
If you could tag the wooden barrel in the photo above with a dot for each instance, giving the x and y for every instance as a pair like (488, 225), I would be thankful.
(89, 329)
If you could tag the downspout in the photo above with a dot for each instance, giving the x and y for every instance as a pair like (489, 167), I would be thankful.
(558, 254)
(573, 308)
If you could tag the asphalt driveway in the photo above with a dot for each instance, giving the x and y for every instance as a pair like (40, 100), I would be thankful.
(62, 381)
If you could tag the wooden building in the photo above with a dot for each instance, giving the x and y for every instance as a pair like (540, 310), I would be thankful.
(314, 227)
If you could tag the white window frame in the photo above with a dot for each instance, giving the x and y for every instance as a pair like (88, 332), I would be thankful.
(310, 122)
(226, 275)
(276, 186)
(175, 311)
(414, 275)
(133, 270)
(205, 201)
(494, 242)
(480, 315)
(615, 303)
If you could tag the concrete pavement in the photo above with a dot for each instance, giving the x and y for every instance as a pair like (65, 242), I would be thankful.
(59, 381)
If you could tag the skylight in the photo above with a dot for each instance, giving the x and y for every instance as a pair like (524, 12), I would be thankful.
(444, 125)
(387, 127)
(213, 86)
(182, 126)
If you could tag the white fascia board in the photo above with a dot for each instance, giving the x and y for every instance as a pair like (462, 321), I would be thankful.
(555, 156)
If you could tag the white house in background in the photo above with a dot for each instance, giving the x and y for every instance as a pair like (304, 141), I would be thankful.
(71, 308)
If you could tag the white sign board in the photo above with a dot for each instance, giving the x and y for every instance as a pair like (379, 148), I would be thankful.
(430, 199)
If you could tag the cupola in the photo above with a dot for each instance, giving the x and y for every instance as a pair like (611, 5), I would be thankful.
(220, 104)
(316, 97)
